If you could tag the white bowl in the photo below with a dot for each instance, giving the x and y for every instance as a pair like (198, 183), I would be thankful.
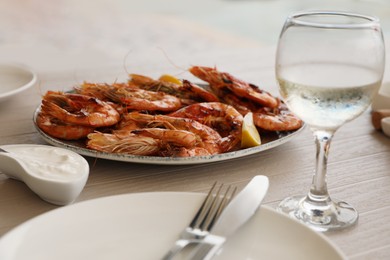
(385, 123)
(15, 79)
(382, 99)
(57, 175)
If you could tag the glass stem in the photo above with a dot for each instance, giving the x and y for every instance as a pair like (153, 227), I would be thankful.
(319, 191)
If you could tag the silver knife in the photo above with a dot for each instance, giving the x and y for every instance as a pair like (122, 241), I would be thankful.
(236, 213)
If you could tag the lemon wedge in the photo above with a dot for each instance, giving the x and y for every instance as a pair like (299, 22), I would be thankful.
(170, 79)
(250, 136)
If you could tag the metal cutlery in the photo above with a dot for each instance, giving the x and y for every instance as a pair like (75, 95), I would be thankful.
(204, 219)
(238, 212)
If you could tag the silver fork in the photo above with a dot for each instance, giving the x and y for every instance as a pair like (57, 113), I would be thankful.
(204, 219)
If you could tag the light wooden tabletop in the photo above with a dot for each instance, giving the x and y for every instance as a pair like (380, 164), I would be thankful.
(67, 45)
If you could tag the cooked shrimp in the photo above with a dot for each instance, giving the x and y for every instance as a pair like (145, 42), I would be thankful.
(58, 129)
(130, 144)
(79, 109)
(150, 84)
(198, 93)
(276, 119)
(140, 99)
(148, 141)
(207, 137)
(145, 81)
(218, 80)
(225, 119)
(242, 105)
(219, 116)
(128, 123)
(97, 90)
(186, 91)
(173, 137)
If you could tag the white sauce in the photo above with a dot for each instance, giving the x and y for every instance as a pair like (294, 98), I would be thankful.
(50, 163)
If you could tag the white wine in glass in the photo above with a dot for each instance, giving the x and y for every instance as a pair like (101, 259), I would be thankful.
(329, 66)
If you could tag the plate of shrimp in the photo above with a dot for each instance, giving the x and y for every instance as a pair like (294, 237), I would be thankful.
(164, 121)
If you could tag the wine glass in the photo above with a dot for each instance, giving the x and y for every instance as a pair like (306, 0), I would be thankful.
(329, 65)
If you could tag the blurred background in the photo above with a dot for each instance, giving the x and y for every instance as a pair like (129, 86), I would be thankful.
(102, 30)
(255, 20)
(259, 20)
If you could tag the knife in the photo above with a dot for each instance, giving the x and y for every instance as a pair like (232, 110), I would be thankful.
(236, 213)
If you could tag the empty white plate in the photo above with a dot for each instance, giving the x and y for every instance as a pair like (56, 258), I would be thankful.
(145, 225)
(15, 79)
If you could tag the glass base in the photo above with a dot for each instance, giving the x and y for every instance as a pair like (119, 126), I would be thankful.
(329, 215)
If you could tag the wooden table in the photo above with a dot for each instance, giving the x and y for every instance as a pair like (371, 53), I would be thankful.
(66, 46)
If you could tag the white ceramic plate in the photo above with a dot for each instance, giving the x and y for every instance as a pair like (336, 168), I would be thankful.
(15, 79)
(145, 225)
(268, 142)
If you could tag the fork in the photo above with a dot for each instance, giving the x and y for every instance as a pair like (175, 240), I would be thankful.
(204, 219)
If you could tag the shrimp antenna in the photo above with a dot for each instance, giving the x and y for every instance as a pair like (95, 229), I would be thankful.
(170, 60)
(94, 162)
(39, 87)
(125, 59)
